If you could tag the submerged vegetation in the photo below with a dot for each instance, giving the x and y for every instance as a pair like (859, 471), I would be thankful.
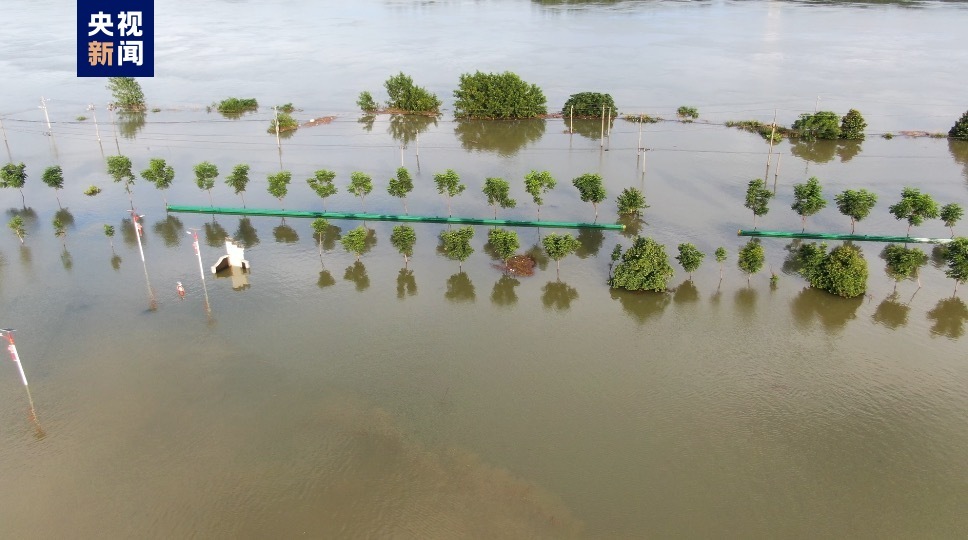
(589, 105)
(498, 95)
(235, 107)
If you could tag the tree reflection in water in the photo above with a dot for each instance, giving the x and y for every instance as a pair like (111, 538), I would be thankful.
(891, 313)
(558, 296)
(948, 318)
(832, 311)
(504, 137)
(357, 274)
(641, 305)
(503, 293)
(460, 288)
(406, 283)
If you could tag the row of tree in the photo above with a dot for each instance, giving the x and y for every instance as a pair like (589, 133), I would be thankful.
(644, 266)
(914, 207)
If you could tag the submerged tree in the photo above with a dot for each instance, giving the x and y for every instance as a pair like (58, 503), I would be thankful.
(497, 95)
(322, 183)
(400, 186)
(498, 193)
(960, 129)
(119, 167)
(537, 184)
(205, 175)
(808, 199)
(843, 271)
(750, 258)
(951, 214)
(320, 226)
(16, 224)
(504, 242)
(14, 176)
(238, 180)
(279, 184)
(161, 175)
(590, 189)
(366, 103)
(403, 239)
(559, 246)
(852, 126)
(855, 204)
(914, 207)
(109, 232)
(589, 105)
(54, 178)
(644, 267)
(758, 198)
(819, 125)
(689, 257)
(956, 257)
(721, 258)
(127, 93)
(904, 263)
(457, 244)
(360, 186)
(355, 241)
(630, 202)
(60, 230)
(408, 97)
(449, 184)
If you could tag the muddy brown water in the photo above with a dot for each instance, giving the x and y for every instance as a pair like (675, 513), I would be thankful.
(368, 399)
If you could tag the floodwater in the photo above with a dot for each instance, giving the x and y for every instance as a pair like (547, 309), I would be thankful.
(368, 399)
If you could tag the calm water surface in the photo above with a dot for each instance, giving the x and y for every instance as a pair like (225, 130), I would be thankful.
(368, 399)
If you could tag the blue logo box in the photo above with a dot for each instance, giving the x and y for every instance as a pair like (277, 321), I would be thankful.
(115, 38)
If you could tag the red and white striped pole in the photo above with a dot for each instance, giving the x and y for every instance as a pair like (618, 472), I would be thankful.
(12, 347)
(201, 269)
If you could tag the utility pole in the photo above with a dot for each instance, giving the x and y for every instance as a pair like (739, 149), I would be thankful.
(769, 156)
(43, 105)
(201, 269)
(138, 229)
(114, 127)
(97, 129)
(601, 139)
(816, 106)
(278, 141)
(776, 173)
(5, 143)
(12, 347)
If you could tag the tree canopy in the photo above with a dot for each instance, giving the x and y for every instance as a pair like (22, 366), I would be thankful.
(457, 243)
(960, 129)
(951, 214)
(819, 125)
(355, 241)
(400, 186)
(360, 186)
(904, 263)
(590, 189)
(321, 182)
(403, 239)
(205, 175)
(238, 180)
(159, 173)
(127, 93)
(279, 184)
(808, 199)
(914, 207)
(504, 242)
(497, 95)
(689, 257)
(449, 184)
(559, 246)
(855, 204)
(589, 105)
(750, 258)
(956, 257)
(758, 198)
(537, 184)
(644, 267)
(630, 202)
(406, 96)
(843, 271)
(498, 193)
(852, 126)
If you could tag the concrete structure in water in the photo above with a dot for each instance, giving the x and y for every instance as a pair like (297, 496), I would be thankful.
(235, 263)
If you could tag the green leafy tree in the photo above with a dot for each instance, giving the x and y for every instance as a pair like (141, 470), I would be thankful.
(951, 214)
(644, 267)
(205, 175)
(750, 259)
(127, 93)
(319, 229)
(355, 241)
(690, 258)
(537, 184)
(119, 168)
(235, 107)
(366, 103)
(855, 204)
(400, 186)
(687, 113)
(630, 202)
(109, 232)
(852, 126)
(279, 184)
(457, 244)
(589, 105)
(449, 184)
(956, 257)
(497, 95)
(406, 96)
(504, 242)
(403, 239)
(721, 258)
(360, 186)
(498, 193)
(758, 198)
(238, 180)
(843, 271)
(160, 174)
(914, 207)
(322, 183)
(820, 125)
(60, 230)
(14, 176)
(590, 189)
(960, 129)
(808, 199)
(16, 224)
(54, 178)
(904, 263)
(559, 246)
